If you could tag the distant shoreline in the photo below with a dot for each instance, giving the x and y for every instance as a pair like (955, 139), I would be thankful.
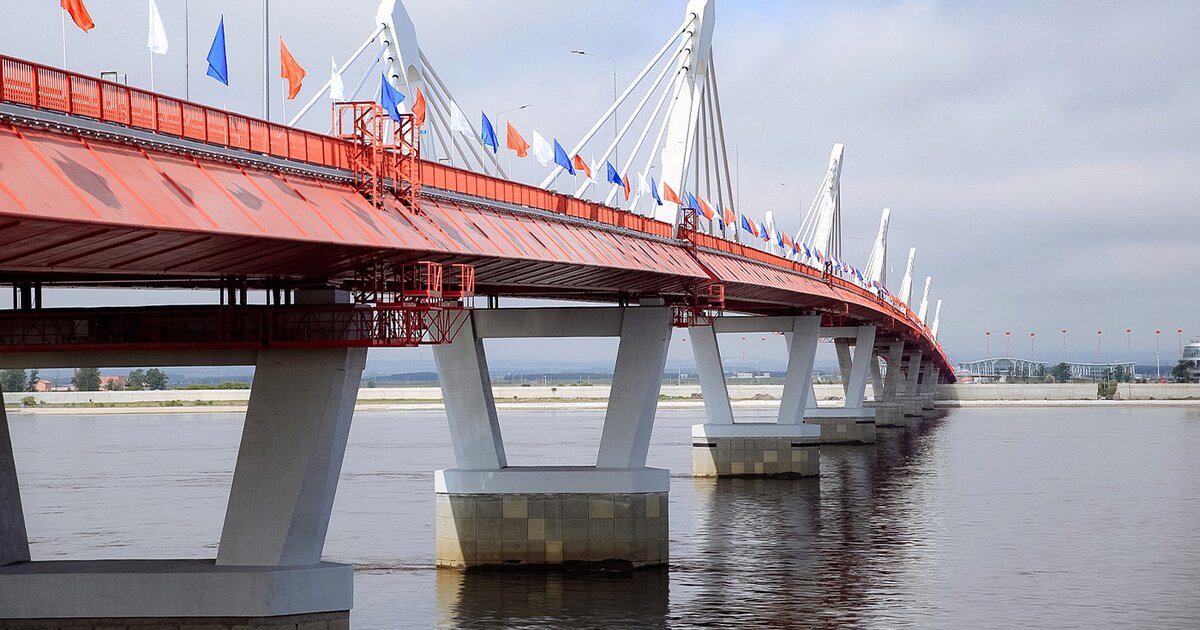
(565, 405)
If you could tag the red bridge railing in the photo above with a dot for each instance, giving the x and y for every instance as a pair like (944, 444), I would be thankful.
(56, 90)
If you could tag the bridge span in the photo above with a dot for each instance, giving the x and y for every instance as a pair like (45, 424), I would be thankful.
(360, 243)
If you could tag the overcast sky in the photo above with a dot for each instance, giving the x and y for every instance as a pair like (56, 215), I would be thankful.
(1044, 157)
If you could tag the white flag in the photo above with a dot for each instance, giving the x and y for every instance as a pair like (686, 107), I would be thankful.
(542, 151)
(337, 90)
(643, 187)
(156, 41)
(458, 121)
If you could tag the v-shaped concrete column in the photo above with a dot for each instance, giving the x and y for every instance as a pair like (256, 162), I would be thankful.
(14, 541)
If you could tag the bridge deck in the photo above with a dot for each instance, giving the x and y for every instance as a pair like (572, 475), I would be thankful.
(96, 202)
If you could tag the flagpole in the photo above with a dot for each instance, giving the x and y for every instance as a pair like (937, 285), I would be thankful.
(151, 70)
(187, 53)
(267, 59)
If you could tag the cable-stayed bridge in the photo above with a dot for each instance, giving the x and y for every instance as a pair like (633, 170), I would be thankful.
(359, 241)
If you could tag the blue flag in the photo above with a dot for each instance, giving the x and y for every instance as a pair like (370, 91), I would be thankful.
(654, 191)
(692, 203)
(390, 98)
(217, 66)
(746, 224)
(487, 134)
(613, 176)
(807, 254)
(561, 159)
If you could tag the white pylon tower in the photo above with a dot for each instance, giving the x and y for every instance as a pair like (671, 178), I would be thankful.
(402, 61)
(822, 225)
(684, 113)
(906, 285)
(937, 319)
(877, 261)
(924, 310)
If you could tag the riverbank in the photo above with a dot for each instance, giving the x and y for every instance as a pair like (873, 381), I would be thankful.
(595, 397)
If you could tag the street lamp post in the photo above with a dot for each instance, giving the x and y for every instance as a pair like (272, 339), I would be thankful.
(1157, 356)
(614, 78)
(987, 344)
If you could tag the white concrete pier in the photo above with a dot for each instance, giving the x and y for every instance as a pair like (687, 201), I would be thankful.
(613, 514)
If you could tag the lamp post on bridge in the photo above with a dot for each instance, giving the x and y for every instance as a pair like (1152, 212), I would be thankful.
(1157, 356)
(614, 78)
(987, 344)
(1064, 340)
(1129, 341)
(1032, 356)
(1008, 343)
(1179, 332)
(1098, 335)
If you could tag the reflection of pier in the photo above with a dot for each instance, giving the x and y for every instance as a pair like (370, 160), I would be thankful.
(500, 599)
(808, 551)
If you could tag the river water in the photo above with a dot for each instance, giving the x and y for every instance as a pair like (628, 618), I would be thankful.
(996, 518)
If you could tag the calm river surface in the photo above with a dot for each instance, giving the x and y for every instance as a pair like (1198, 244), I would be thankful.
(994, 518)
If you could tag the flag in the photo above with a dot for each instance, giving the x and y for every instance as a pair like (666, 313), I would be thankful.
(748, 225)
(390, 98)
(458, 120)
(488, 134)
(707, 209)
(582, 166)
(625, 185)
(156, 41)
(542, 151)
(786, 241)
(290, 70)
(418, 109)
(669, 195)
(337, 90)
(561, 159)
(764, 231)
(515, 142)
(79, 14)
(654, 191)
(643, 187)
(807, 254)
(613, 176)
(218, 68)
(730, 218)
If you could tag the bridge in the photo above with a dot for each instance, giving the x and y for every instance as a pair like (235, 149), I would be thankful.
(360, 242)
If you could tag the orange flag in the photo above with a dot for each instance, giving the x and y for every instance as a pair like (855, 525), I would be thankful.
(583, 166)
(79, 14)
(418, 109)
(290, 70)
(669, 195)
(516, 142)
(730, 217)
(626, 183)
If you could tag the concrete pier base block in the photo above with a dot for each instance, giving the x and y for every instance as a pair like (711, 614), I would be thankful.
(887, 414)
(100, 591)
(755, 450)
(545, 516)
(844, 426)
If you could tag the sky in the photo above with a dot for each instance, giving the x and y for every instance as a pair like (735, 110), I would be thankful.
(1042, 156)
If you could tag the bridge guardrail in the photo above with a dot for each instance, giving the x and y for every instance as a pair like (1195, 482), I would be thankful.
(43, 87)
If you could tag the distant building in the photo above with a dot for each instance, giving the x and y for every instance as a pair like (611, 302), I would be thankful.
(42, 385)
(113, 383)
(1001, 368)
(1191, 356)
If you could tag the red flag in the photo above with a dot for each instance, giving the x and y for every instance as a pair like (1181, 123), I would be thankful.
(516, 142)
(583, 166)
(787, 240)
(79, 14)
(626, 183)
(418, 109)
(730, 217)
(705, 208)
(669, 195)
(290, 70)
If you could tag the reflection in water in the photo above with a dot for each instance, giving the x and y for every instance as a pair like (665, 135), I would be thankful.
(552, 598)
(794, 552)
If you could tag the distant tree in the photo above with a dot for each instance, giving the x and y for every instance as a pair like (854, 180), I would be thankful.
(1180, 372)
(156, 379)
(137, 380)
(1120, 374)
(12, 380)
(33, 379)
(87, 379)
(1061, 373)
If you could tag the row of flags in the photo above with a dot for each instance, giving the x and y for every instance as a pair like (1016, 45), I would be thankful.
(218, 62)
